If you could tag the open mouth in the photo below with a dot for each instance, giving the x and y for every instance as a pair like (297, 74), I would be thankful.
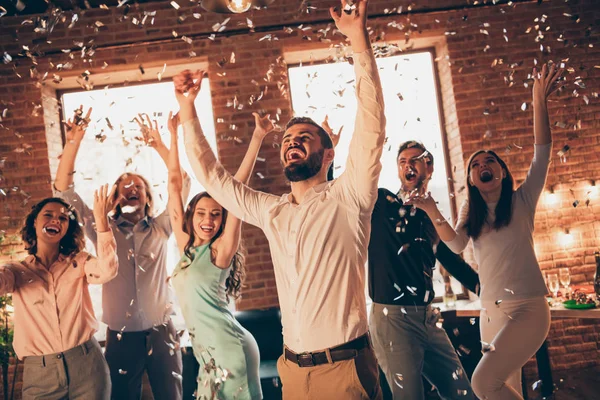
(52, 230)
(133, 197)
(294, 153)
(486, 176)
(207, 228)
(410, 175)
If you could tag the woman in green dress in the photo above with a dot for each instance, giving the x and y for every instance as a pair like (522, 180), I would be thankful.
(211, 271)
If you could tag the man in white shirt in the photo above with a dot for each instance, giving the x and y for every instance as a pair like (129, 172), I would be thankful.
(318, 234)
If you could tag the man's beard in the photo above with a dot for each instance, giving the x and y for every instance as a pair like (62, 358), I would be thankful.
(298, 172)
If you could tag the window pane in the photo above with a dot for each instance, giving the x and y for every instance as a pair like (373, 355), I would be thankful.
(112, 146)
(411, 109)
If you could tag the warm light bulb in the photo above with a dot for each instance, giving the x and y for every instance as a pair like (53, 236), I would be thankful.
(566, 238)
(239, 6)
(551, 198)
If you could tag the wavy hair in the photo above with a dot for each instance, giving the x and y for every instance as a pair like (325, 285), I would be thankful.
(237, 275)
(73, 241)
(478, 209)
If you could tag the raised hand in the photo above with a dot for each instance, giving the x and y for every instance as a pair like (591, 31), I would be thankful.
(545, 82)
(335, 137)
(262, 126)
(150, 132)
(103, 204)
(173, 123)
(77, 126)
(187, 86)
(352, 20)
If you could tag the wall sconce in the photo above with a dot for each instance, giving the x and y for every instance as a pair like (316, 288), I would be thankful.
(551, 197)
(566, 237)
(233, 6)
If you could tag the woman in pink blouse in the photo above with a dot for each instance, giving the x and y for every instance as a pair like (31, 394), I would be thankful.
(53, 315)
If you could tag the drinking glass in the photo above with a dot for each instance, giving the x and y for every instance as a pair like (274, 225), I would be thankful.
(553, 284)
(565, 278)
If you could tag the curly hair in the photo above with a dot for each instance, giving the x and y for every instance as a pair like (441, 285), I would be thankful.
(237, 275)
(73, 241)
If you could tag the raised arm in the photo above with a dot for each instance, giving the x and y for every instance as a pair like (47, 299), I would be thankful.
(63, 185)
(151, 136)
(175, 187)
(228, 243)
(363, 166)
(236, 197)
(106, 266)
(544, 84)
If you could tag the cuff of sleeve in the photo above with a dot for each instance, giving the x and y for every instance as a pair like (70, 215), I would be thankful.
(68, 191)
(106, 236)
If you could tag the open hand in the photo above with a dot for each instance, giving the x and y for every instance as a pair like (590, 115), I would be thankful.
(262, 125)
(187, 86)
(77, 126)
(335, 138)
(424, 201)
(545, 82)
(149, 130)
(103, 204)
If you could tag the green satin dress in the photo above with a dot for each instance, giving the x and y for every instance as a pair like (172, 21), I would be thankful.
(215, 333)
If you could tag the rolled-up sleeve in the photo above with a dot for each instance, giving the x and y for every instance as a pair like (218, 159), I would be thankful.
(363, 166)
(245, 203)
(106, 266)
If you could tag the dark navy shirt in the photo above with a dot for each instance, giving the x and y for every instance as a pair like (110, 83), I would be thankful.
(403, 250)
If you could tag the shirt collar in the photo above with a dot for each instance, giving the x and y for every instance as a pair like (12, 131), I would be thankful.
(310, 193)
(122, 221)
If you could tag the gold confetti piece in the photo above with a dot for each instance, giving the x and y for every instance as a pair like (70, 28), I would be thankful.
(175, 5)
(122, 372)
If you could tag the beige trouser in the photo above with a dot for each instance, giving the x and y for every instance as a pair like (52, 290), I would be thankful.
(516, 329)
(354, 379)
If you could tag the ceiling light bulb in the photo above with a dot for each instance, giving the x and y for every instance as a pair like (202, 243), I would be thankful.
(239, 6)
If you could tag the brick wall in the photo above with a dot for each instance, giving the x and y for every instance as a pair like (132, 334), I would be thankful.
(481, 76)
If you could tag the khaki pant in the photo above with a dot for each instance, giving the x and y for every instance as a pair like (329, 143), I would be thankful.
(77, 373)
(354, 379)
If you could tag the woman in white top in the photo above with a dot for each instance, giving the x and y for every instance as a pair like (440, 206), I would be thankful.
(499, 220)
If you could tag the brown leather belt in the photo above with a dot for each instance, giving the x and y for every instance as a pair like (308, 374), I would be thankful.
(342, 352)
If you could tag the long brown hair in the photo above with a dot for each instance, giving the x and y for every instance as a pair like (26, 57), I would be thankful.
(73, 241)
(235, 281)
(149, 205)
(478, 209)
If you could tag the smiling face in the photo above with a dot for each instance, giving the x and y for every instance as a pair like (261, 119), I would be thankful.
(414, 168)
(132, 194)
(207, 219)
(485, 172)
(302, 153)
(51, 224)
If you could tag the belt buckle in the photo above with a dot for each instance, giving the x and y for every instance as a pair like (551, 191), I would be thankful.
(305, 359)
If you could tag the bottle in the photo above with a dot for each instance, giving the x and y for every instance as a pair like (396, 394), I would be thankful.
(597, 275)
(449, 296)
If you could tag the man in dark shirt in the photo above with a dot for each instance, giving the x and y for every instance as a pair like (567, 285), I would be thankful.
(403, 250)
